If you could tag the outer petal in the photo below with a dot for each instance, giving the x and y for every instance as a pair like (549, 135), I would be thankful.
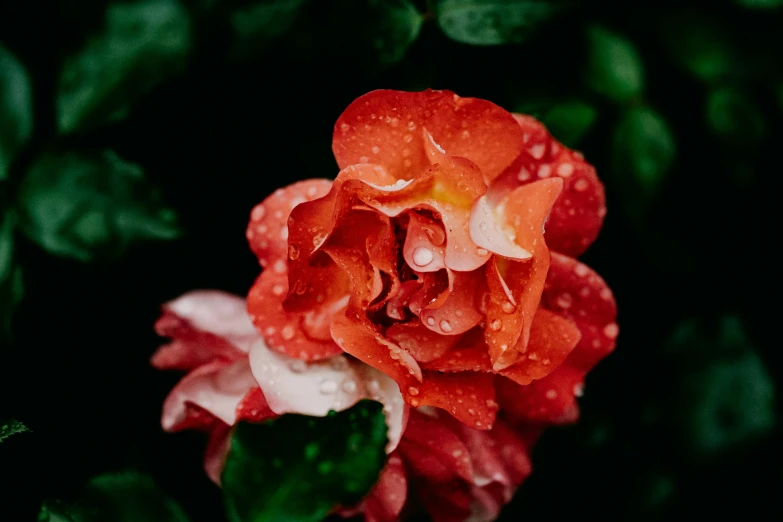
(577, 216)
(206, 325)
(456, 310)
(267, 232)
(216, 452)
(384, 127)
(550, 400)
(293, 386)
(386, 500)
(575, 291)
(216, 388)
(286, 332)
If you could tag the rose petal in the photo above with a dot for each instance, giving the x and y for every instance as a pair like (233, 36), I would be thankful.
(253, 407)
(468, 396)
(424, 249)
(206, 325)
(422, 343)
(293, 386)
(267, 232)
(442, 443)
(575, 291)
(384, 127)
(549, 400)
(578, 214)
(217, 388)
(456, 310)
(387, 498)
(216, 452)
(286, 332)
(552, 338)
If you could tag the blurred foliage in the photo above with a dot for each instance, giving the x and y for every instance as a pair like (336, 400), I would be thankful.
(11, 427)
(128, 121)
(319, 463)
(127, 496)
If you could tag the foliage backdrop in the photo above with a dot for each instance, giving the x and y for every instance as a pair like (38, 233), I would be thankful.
(136, 136)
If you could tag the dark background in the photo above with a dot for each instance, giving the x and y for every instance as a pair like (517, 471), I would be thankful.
(681, 419)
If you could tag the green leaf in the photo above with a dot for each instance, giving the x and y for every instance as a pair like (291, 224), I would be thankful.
(16, 106)
(702, 45)
(258, 25)
(643, 152)
(614, 67)
(570, 121)
(90, 206)
(11, 427)
(11, 284)
(120, 497)
(725, 395)
(493, 22)
(298, 468)
(142, 44)
(392, 26)
(733, 116)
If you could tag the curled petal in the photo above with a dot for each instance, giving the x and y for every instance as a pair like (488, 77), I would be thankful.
(422, 343)
(384, 127)
(552, 338)
(575, 291)
(578, 214)
(424, 248)
(294, 386)
(216, 388)
(387, 498)
(287, 332)
(267, 232)
(253, 407)
(468, 396)
(205, 325)
(216, 452)
(456, 310)
(443, 444)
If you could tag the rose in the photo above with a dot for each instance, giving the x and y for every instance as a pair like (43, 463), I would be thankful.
(427, 259)
(451, 469)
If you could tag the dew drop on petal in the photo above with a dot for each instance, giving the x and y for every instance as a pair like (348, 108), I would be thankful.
(413, 390)
(422, 256)
(611, 330)
(328, 387)
(349, 386)
(508, 307)
(287, 332)
(496, 324)
(551, 394)
(579, 389)
(431, 321)
(298, 366)
(564, 301)
(445, 326)
(581, 185)
(565, 169)
(482, 251)
(278, 290)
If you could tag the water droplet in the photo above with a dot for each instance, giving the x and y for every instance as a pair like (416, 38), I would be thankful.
(422, 256)
(328, 387)
(579, 389)
(508, 307)
(483, 226)
(581, 185)
(533, 356)
(565, 169)
(376, 149)
(565, 300)
(581, 270)
(551, 394)
(298, 366)
(293, 252)
(523, 175)
(364, 159)
(445, 326)
(471, 411)
(279, 266)
(456, 453)
(431, 321)
(611, 330)
(345, 127)
(544, 171)
(278, 290)
(496, 325)
(287, 332)
(284, 233)
(478, 424)
(270, 330)
(349, 386)
(413, 390)
(373, 386)
(492, 404)
(257, 213)
(537, 151)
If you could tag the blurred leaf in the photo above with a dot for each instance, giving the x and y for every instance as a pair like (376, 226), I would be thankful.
(119, 497)
(725, 394)
(733, 116)
(142, 43)
(701, 44)
(297, 468)
(261, 23)
(760, 4)
(392, 26)
(643, 150)
(16, 106)
(614, 67)
(493, 22)
(88, 206)
(570, 121)
(11, 427)
(11, 285)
